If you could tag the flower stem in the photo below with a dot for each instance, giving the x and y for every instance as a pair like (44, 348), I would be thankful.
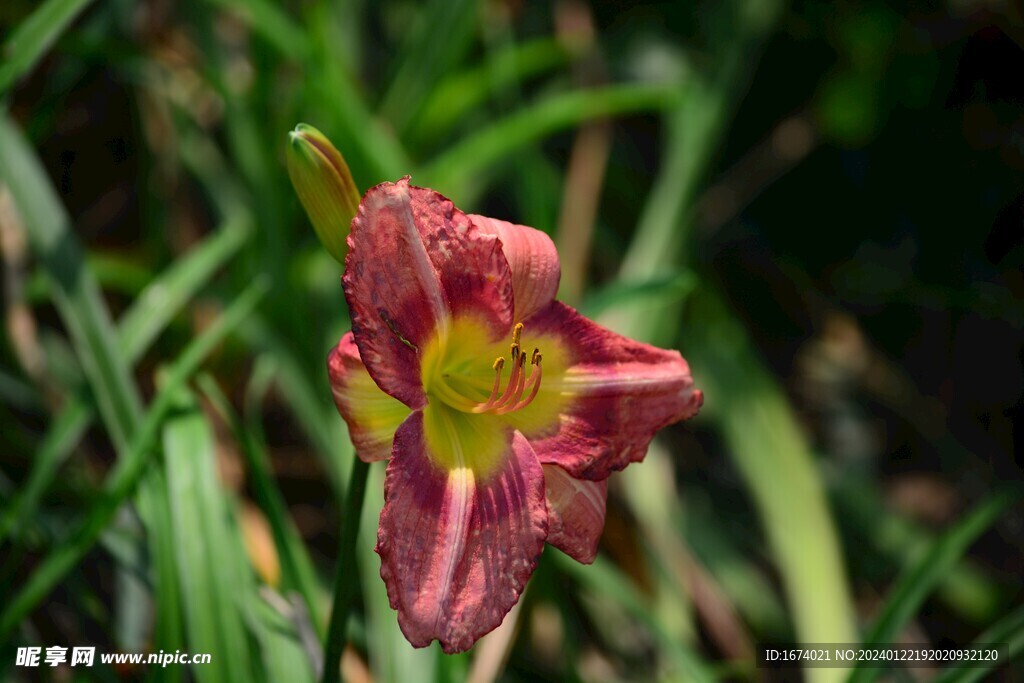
(345, 581)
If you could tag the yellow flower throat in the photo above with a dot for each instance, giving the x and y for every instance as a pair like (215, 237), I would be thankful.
(448, 378)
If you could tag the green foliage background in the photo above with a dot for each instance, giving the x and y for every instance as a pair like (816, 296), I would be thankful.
(820, 205)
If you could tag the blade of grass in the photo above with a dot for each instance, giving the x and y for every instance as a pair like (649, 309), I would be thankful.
(476, 152)
(169, 626)
(117, 273)
(281, 651)
(694, 131)
(299, 572)
(606, 580)
(207, 565)
(143, 321)
(672, 287)
(464, 92)
(921, 578)
(750, 589)
(76, 293)
(535, 179)
(777, 466)
(345, 24)
(123, 480)
(272, 23)
(152, 311)
(964, 587)
(312, 408)
(372, 150)
(423, 58)
(34, 36)
(65, 431)
(80, 303)
(771, 453)
(1009, 630)
(652, 496)
(19, 394)
(253, 162)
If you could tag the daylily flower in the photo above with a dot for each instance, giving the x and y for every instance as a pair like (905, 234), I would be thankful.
(503, 411)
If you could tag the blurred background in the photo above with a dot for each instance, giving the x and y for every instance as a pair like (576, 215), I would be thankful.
(820, 204)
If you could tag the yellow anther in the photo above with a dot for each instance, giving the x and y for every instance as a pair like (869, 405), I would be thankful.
(517, 332)
(499, 363)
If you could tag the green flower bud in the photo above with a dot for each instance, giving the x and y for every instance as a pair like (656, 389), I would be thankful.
(325, 187)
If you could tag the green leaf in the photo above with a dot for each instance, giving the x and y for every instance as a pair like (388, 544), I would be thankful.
(921, 578)
(965, 587)
(298, 571)
(33, 37)
(118, 273)
(152, 311)
(65, 431)
(312, 408)
(169, 629)
(425, 56)
(76, 293)
(80, 303)
(369, 146)
(464, 92)
(19, 394)
(1009, 630)
(694, 131)
(478, 151)
(126, 474)
(143, 321)
(673, 287)
(272, 23)
(281, 649)
(775, 461)
(606, 580)
(707, 533)
(210, 571)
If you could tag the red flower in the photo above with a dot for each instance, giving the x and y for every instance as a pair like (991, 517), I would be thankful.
(503, 410)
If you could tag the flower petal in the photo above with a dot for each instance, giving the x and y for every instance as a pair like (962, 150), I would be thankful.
(618, 393)
(414, 262)
(534, 262)
(575, 513)
(456, 547)
(372, 416)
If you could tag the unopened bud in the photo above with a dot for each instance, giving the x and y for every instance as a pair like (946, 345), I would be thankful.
(325, 187)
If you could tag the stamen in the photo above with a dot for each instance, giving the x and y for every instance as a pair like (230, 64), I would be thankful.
(511, 399)
(515, 385)
(533, 382)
